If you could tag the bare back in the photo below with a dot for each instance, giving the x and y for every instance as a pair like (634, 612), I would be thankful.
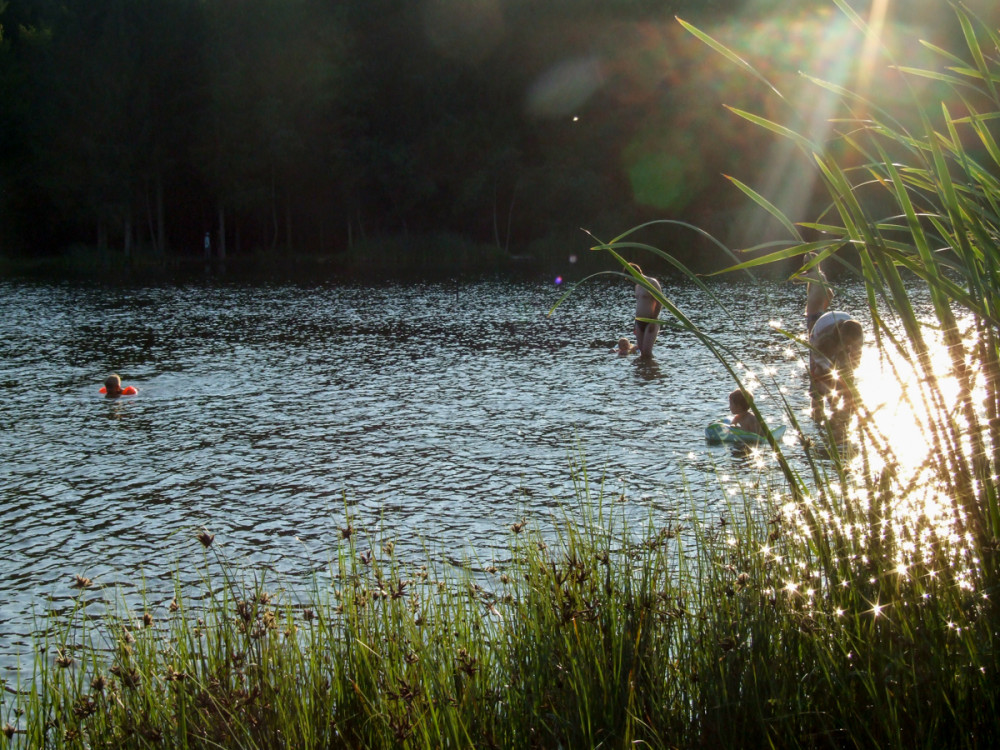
(818, 293)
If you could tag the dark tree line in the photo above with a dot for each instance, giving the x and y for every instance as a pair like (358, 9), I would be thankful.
(311, 126)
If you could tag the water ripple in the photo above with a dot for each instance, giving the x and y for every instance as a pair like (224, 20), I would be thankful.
(438, 412)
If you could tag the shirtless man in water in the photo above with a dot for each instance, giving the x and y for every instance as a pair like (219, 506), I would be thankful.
(646, 306)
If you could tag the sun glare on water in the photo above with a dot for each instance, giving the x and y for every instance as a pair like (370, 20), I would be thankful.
(906, 423)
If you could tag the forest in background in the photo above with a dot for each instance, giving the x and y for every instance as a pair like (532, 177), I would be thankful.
(320, 128)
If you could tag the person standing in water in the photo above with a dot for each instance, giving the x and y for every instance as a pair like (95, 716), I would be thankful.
(836, 342)
(819, 295)
(646, 306)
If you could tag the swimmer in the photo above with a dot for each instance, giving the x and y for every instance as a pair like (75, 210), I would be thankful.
(646, 306)
(113, 387)
(837, 340)
(625, 347)
(743, 418)
(819, 295)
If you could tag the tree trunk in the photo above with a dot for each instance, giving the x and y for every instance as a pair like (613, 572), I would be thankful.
(150, 222)
(128, 235)
(274, 214)
(161, 219)
(222, 233)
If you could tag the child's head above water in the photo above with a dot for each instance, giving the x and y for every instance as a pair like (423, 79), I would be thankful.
(739, 401)
(113, 385)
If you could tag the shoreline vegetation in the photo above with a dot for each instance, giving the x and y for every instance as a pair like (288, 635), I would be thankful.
(757, 626)
(433, 255)
(836, 609)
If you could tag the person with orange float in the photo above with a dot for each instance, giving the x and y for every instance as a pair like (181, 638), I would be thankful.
(113, 387)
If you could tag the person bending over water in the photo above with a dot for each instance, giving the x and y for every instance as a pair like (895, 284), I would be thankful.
(646, 306)
(837, 340)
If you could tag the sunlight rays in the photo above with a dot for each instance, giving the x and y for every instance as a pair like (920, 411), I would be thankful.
(873, 40)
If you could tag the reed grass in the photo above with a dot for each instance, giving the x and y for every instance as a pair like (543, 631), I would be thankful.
(760, 625)
(808, 613)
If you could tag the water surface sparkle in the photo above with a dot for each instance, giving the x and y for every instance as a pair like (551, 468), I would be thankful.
(442, 413)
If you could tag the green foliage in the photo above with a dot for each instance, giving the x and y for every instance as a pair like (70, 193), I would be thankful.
(807, 613)
(302, 126)
(743, 629)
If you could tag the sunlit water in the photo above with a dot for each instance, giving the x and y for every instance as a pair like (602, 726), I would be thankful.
(441, 413)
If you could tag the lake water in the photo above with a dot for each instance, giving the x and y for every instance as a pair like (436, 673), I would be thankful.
(440, 412)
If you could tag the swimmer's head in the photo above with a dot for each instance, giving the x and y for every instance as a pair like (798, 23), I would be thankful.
(624, 345)
(113, 385)
(739, 401)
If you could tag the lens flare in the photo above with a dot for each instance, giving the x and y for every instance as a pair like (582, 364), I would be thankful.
(565, 88)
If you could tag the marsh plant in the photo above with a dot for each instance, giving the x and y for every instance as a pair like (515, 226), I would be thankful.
(850, 603)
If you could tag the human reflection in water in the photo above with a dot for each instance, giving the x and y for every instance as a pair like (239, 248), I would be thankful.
(647, 369)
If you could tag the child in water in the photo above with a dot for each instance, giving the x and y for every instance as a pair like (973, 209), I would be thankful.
(625, 347)
(743, 418)
(113, 387)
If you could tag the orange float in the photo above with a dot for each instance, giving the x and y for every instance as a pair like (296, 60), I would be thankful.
(128, 390)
